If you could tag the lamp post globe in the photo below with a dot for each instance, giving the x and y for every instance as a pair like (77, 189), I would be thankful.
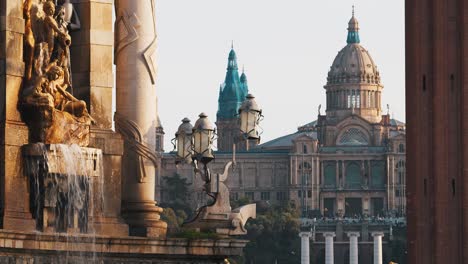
(203, 133)
(183, 138)
(250, 114)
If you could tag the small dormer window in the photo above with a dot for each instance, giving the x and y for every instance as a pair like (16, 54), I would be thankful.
(304, 148)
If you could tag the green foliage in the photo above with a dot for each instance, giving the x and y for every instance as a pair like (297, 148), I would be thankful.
(178, 191)
(177, 207)
(274, 237)
(398, 245)
(240, 202)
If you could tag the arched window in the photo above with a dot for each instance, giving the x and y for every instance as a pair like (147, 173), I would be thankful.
(400, 168)
(353, 137)
(401, 148)
(305, 170)
(378, 174)
(330, 175)
(353, 176)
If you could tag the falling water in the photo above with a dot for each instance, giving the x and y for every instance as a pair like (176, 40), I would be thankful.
(66, 183)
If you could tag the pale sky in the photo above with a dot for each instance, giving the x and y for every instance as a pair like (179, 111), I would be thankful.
(287, 47)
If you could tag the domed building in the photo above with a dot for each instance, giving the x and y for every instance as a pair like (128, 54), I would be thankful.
(348, 163)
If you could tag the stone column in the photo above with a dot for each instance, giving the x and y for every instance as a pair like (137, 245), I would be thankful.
(353, 247)
(14, 196)
(329, 254)
(377, 247)
(305, 254)
(135, 117)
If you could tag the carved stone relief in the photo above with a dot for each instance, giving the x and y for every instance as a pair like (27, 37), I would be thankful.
(47, 105)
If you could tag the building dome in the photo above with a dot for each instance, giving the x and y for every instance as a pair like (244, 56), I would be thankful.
(353, 82)
(353, 64)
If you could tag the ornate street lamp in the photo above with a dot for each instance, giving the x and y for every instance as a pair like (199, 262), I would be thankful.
(200, 149)
(202, 140)
(183, 142)
(250, 117)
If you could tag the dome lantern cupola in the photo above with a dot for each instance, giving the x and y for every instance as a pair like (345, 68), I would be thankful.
(353, 30)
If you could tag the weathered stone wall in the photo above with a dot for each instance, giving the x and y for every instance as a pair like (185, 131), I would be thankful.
(40, 258)
(14, 133)
(32, 248)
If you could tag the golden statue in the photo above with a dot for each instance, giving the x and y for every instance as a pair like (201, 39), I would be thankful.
(52, 113)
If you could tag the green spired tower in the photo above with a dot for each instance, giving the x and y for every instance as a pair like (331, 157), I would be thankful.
(231, 95)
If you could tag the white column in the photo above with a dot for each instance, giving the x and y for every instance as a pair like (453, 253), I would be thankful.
(329, 254)
(353, 247)
(305, 254)
(377, 247)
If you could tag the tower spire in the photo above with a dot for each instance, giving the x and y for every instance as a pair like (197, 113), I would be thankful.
(353, 30)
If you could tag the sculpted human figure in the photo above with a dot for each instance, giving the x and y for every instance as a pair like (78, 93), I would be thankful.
(63, 100)
(29, 41)
(52, 114)
(51, 27)
(61, 55)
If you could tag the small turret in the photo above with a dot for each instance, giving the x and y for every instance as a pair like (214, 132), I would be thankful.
(353, 30)
(244, 84)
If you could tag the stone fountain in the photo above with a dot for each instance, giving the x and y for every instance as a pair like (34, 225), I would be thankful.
(71, 189)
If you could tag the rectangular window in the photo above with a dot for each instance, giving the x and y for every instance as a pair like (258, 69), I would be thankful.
(309, 193)
(280, 196)
(265, 196)
(234, 196)
(349, 101)
(358, 101)
(249, 195)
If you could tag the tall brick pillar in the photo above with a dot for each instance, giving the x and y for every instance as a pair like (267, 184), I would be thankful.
(14, 196)
(437, 135)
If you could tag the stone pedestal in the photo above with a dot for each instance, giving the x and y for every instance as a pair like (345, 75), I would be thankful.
(377, 247)
(329, 253)
(305, 254)
(353, 247)
(136, 117)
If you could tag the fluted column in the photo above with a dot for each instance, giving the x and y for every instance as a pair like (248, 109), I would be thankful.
(329, 254)
(305, 254)
(353, 247)
(136, 116)
(377, 247)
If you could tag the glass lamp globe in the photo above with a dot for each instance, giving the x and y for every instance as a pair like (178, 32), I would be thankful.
(250, 115)
(202, 139)
(183, 139)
